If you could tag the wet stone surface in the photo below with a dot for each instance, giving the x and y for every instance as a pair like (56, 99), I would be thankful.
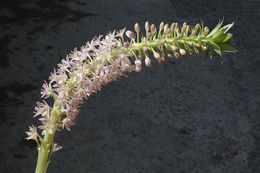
(191, 116)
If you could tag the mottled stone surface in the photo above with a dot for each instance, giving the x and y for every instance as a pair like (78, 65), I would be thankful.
(193, 116)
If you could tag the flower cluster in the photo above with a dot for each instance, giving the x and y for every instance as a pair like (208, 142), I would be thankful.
(104, 59)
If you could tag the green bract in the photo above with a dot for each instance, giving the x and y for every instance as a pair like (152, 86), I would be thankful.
(219, 39)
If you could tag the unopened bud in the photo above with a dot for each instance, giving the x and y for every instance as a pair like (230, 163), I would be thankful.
(148, 62)
(163, 57)
(147, 25)
(197, 45)
(183, 52)
(177, 55)
(129, 34)
(179, 36)
(197, 51)
(168, 31)
(191, 52)
(140, 57)
(174, 48)
(170, 57)
(148, 35)
(204, 48)
(157, 55)
(173, 26)
(162, 41)
(197, 27)
(153, 28)
(188, 28)
(190, 43)
(206, 30)
(137, 27)
(183, 27)
(138, 62)
(161, 26)
(194, 32)
(166, 27)
(176, 26)
(145, 49)
(138, 68)
(126, 44)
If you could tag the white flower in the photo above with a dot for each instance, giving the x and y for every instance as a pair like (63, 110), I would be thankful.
(32, 133)
(56, 147)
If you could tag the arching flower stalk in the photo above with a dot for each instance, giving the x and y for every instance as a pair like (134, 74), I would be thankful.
(103, 60)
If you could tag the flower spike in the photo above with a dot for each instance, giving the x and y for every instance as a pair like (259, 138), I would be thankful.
(105, 59)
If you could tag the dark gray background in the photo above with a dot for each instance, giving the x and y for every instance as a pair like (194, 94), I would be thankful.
(193, 116)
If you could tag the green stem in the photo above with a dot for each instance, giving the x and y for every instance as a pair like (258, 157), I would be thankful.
(156, 43)
(42, 162)
(44, 151)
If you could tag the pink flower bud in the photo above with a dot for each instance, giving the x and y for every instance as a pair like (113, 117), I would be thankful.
(190, 43)
(148, 35)
(183, 27)
(163, 57)
(177, 55)
(170, 57)
(168, 31)
(183, 52)
(166, 27)
(147, 26)
(163, 41)
(138, 62)
(176, 26)
(161, 26)
(197, 51)
(173, 26)
(188, 28)
(157, 55)
(153, 28)
(138, 68)
(126, 64)
(145, 49)
(206, 30)
(174, 48)
(140, 57)
(191, 52)
(204, 48)
(197, 27)
(179, 35)
(148, 62)
(129, 34)
(137, 27)
(126, 44)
